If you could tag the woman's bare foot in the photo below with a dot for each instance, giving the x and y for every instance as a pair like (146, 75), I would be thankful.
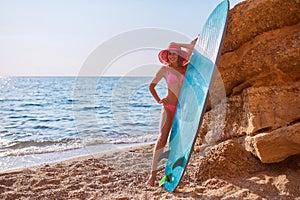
(151, 180)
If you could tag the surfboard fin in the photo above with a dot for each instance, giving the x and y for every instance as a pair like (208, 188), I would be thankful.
(178, 163)
(165, 179)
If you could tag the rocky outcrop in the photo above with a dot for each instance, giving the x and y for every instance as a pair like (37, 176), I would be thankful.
(260, 69)
(271, 58)
(232, 161)
(275, 146)
(255, 17)
(269, 108)
(229, 171)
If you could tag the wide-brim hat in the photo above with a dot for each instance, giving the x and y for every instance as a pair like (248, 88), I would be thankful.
(163, 54)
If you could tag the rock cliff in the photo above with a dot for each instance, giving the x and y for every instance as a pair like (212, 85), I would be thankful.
(260, 70)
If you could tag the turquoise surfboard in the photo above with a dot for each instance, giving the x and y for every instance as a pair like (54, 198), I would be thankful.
(193, 96)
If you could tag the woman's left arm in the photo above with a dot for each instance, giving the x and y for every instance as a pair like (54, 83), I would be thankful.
(189, 47)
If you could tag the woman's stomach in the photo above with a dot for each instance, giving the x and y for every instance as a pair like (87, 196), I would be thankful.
(172, 98)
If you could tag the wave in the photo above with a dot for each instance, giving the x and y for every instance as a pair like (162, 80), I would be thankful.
(30, 118)
(42, 127)
(143, 138)
(10, 100)
(139, 105)
(86, 108)
(37, 150)
(31, 105)
(34, 147)
(41, 143)
(40, 147)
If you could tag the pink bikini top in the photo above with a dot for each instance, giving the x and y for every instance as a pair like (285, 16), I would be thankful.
(173, 79)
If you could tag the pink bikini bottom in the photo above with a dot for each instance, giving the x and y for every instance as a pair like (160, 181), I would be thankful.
(172, 108)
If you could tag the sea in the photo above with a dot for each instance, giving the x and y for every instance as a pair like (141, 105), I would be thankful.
(50, 119)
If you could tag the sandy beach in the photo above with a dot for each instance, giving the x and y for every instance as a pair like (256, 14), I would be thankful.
(121, 175)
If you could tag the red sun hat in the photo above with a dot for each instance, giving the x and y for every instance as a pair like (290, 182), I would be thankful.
(163, 54)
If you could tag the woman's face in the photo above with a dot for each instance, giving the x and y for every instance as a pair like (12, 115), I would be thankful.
(172, 56)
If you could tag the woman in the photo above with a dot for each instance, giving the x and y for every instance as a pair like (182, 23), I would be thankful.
(175, 62)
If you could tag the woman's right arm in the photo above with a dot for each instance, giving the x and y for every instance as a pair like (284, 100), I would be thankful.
(153, 92)
(156, 79)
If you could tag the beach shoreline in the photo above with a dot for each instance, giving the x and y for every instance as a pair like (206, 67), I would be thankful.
(17, 163)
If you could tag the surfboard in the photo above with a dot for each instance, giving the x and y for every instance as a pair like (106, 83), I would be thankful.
(193, 96)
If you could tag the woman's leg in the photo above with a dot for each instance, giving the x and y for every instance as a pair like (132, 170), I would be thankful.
(166, 120)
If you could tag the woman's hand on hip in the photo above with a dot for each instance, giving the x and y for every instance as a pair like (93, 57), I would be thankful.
(163, 101)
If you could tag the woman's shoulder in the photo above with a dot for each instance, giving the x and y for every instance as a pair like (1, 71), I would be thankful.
(161, 71)
(164, 68)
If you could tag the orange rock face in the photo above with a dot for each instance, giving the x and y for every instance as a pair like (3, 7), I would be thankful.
(260, 70)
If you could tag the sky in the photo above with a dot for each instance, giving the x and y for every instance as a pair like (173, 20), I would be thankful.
(58, 37)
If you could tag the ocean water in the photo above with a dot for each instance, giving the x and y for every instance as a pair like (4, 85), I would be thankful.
(46, 117)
